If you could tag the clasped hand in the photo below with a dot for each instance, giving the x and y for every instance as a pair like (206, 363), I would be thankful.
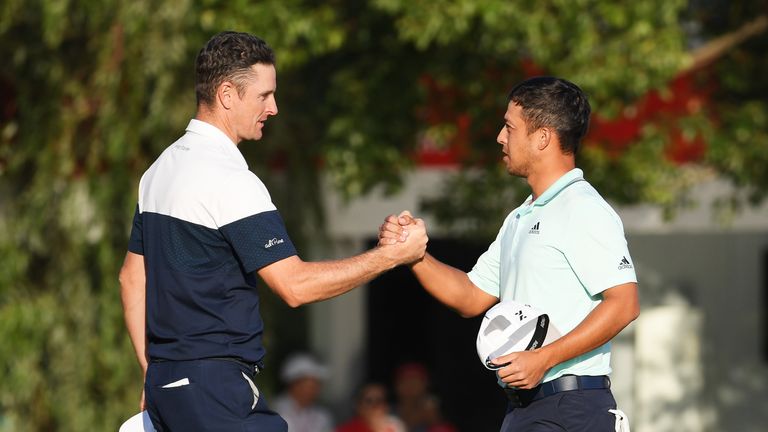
(405, 232)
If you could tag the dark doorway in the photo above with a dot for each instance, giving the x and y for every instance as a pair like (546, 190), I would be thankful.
(406, 324)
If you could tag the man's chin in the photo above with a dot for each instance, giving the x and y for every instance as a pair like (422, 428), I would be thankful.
(515, 173)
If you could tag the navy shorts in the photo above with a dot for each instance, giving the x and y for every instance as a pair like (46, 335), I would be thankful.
(571, 411)
(207, 395)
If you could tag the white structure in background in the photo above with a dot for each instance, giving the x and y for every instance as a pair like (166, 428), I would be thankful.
(695, 359)
(668, 368)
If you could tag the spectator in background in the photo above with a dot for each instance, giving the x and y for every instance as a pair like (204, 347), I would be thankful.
(415, 405)
(373, 412)
(303, 376)
(434, 416)
(411, 392)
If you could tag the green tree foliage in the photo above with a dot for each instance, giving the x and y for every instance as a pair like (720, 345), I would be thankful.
(92, 91)
(675, 89)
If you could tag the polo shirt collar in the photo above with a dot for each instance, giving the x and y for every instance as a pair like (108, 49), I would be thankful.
(552, 191)
(217, 138)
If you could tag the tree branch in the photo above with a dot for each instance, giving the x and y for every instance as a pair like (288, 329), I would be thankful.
(717, 47)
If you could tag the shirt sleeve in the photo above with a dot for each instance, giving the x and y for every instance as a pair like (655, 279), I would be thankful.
(259, 240)
(251, 224)
(136, 241)
(486, 272)
(596, 248)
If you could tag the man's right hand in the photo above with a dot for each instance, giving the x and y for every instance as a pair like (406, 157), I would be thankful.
(406, 236)
(396, 228)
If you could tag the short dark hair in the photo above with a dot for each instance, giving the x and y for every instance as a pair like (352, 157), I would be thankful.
(556, 103)
(228, 56)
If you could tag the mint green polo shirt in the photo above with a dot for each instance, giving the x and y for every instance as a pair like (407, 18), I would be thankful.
(558, 254)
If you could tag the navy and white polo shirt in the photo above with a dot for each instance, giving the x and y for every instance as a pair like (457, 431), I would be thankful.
(205, 224)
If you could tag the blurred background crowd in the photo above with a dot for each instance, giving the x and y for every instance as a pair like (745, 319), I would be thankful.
(403, 404)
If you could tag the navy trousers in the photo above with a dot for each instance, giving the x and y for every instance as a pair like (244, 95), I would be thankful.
(207, 395)
(569, 411)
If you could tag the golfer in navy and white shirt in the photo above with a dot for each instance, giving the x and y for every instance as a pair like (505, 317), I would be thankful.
(203, 226)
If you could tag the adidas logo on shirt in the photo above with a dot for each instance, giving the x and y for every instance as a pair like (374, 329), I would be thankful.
(534, 229)
(624, 264)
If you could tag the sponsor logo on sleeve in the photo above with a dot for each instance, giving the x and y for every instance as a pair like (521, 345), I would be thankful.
(624, 264)
(272, 242)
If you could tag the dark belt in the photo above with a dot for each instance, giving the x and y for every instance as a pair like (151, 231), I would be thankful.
(254, 368)
(521, 398)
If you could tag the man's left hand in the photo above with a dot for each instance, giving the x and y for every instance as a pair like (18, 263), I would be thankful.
(525, 369)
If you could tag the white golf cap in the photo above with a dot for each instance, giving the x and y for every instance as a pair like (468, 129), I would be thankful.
(509, 327)
(138, 423)
(301, 366)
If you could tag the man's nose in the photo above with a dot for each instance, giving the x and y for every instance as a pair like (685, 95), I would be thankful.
(500, 137)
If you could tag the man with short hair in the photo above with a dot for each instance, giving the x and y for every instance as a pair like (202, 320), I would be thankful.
(203, 226)
(563, 251)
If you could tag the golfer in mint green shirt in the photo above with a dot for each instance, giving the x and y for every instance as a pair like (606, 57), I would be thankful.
(563, 251)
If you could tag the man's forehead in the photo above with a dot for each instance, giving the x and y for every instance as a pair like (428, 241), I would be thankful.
(264, 76)
(514, 112)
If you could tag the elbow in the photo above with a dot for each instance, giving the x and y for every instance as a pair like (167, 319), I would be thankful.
(290, 279)
(466, 314)
(469, 313)
(626, 305)
(128, 277)
(125, 280)
(632, 311)
(293, 296)
(131, 290)
(131, 284)
(294, 301)
(635, 309)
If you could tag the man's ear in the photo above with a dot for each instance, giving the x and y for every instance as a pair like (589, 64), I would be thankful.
(225, 93)
(543, 138)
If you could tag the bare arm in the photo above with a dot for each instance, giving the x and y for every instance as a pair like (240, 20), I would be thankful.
(299, 282)
(452, 287)
(620, 306)
(133, 294)
(447, 284)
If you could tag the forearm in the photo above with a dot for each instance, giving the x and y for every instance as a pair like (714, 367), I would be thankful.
(452, 287)
(135, 318)
(612, 315)
(298, 282)
(133, 295)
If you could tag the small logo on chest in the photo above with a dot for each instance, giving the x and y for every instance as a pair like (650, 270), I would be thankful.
(534, 229)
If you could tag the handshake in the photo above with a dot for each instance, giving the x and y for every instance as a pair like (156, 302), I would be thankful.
(405, 237)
